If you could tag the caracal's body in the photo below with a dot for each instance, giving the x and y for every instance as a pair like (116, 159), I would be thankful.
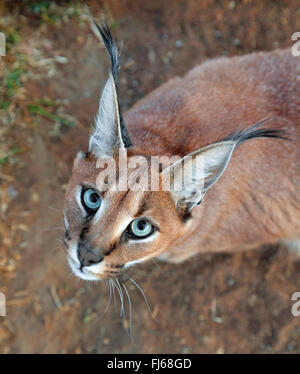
(255, 194)
(257, 200)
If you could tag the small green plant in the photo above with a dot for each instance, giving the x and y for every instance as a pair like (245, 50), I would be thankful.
(11, 82)
(42, 108)
(12, 38)
(13, 151)
(53, 13)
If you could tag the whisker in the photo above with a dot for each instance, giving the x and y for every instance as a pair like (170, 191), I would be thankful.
(54, 228)
(56, 209)
(108, 303)
(130, 313)
(122, 308)
(64, 248)
(157, 264)
(122, 311)
(70, 275)
(145, 298)
(114, 293)
(67, 170)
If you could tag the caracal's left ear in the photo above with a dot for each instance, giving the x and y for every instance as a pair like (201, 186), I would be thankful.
(110, 132)
(191, 176)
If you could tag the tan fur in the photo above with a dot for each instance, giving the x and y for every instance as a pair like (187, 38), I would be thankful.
(256, 201)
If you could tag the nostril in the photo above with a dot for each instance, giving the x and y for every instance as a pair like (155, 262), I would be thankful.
(90, 262)
(88, 256)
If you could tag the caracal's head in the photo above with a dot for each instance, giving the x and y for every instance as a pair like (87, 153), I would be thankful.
(123, 207)
(110, 228)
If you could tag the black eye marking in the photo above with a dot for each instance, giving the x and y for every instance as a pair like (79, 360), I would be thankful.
(111, 248)
(142, 208)
(66, 238)
(83, 232)
(67, 235)
(119, 266)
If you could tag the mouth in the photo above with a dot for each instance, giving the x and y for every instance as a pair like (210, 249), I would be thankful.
(82, 273)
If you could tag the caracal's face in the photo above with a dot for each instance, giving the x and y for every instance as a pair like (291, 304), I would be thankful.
(107, 231)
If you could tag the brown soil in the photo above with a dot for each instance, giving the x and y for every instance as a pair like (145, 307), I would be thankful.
(213, 303)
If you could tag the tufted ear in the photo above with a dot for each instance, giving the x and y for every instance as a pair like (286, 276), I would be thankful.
(191, 176)
(106, 138)
(110, 132)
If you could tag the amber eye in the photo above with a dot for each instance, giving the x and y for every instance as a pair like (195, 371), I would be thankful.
(140, 228)
(91, 200)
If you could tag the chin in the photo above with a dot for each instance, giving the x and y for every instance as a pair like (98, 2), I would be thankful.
(82, 274)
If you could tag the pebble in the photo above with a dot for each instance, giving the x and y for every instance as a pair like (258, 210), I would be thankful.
(218, 34)
(35, 197)
(87, 94)
(151, 56)
(178, 43)
(12, 192)
(231, 5)
(230, 281)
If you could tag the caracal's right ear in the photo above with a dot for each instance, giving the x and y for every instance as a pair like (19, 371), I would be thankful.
(110, 132)
(191, 176)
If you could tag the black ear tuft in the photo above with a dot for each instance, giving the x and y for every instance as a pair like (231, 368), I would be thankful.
(114, 56)
(255, 131)
(112, 49)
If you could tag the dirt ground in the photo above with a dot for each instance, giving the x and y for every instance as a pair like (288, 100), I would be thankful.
(51, 79)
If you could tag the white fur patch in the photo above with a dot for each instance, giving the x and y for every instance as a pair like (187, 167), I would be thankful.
(293, 245)
(83, 274)
(73, 252)
(78, 200)
(66, 221)
(131, 263)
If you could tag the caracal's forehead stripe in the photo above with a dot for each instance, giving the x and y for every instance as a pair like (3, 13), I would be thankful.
(118, 230)
(123, 226)
(143, 207)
